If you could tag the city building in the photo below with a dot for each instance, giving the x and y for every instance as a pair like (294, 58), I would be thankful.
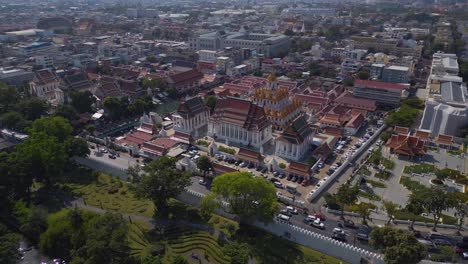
(185, 81)
(191, 117)
(267, 44)
(406, 145)
(240, 121)
(380, 92)
(44, 62)
(308, 12)
(295, 141)
(46, 85)
(396, 74)
(15, 77)
(446, 110)
(391, 46)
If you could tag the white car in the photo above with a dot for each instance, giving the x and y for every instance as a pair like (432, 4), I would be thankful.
(310, 218)
(292, 210)
(318, 224)
(243, 165)
(279, 185)
(202, 182)
(338, 230)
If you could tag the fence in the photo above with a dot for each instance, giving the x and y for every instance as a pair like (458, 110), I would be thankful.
(300, 235)
(345, 164)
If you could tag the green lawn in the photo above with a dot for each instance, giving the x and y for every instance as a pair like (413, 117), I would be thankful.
(388, 164)
(376, 183)
(420, 168)
(369, 196)
(413, 186)
(108, 193)
(384, 175)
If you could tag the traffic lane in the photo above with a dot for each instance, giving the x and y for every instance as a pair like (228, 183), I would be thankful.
(330, 224)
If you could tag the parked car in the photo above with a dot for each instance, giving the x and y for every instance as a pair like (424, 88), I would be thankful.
(264, 170)
(237, 163)
(292, 209)
(250, 165)
(338, 230)
(259, 168)
(278, 185)
(339, 237)
(318, 224)
(305, 182)
(275, 173)
(112, 156)
(202, 182)
(282, 175)
(309, 218)
(320, 216)
(362, 236)
(243, 164)
(295, 178)
(461, 247)
(273, 180)
(283, 217)
(286, 212)
(289, 177)
(349, 223)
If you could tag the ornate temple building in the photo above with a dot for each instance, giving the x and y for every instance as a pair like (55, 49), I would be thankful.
(240, 121)
(295, 141)
(190, 119)
(275, 99)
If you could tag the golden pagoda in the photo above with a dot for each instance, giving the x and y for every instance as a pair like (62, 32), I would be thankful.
(279, 107)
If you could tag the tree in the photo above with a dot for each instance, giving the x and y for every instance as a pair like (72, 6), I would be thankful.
(238, 252)
(210, 101)
(82, 101)
(247, 197)
(204, 165)
(35, 223)
(107, 240)
(77, 147)
(208, 206)
(8, 246)
(56, 126)
(415, 206)
(289, 32)
(346, 195)
(161, 182)
(134, 172)
(114, 107)
(461, 208)
(41, 155)
(8, 98)
(363, 209)
(173, 93)
(398, 246)
(436, 203)
(179, 260)
(363, 75)
(67, 112)
(13, 120)
(33, 108)
(390, 208)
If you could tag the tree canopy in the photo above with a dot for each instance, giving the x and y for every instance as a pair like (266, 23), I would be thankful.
(346, 195)
(249, 198)
(82, 101)
(398, 246)
(161, 182)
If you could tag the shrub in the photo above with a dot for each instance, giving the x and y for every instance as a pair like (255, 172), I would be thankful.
(369, 196)
(203, 143)
(282, 166)
(227, 150)
(384, 175)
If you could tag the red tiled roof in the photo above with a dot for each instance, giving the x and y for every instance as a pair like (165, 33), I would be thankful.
(333, 131)
(240, 112)
(183, 77)
(221, 169)
(423, 135)
(379, 85)
(45, 76)
(406, 145)
(444, 139)
(299, 169)
(355, 102)
(182, 137)
(158, 146)
(192, 107)
(401, 130)
(249, 155)
(356, 121)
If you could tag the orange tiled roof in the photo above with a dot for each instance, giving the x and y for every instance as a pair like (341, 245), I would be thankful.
(444, 139)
